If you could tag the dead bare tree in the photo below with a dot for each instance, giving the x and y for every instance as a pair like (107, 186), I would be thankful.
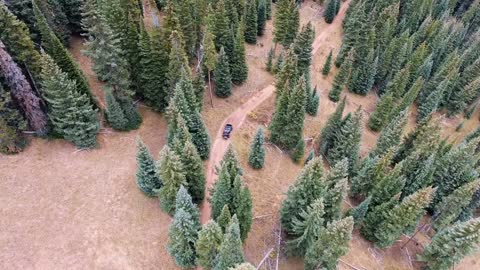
(22, 92)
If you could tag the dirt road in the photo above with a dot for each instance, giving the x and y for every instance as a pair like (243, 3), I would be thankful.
(237, 118)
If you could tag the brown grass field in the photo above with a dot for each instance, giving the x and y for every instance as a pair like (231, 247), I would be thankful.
(69, 209)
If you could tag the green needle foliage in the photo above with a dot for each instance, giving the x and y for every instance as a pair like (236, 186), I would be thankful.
(391, 135)
(224, 218)
(332, 244)
(403, 216)
(360, 211)
(307, 227)
(313, 102)
(54, 47)
(340, 81)
(269, 64)
(331, 10)
(327, 136)
(451, 206)
(256, 158)
(114, 113)
(452, 244)
(223, 79)
(382, 112)
(262, 16)
(231, 250)
(238, 63)
(210, 238)
(308, 187)
(194, 173)
(302, 47)
(182, 237)
(148, 180)
(328, 64)
(70, 112)
(286, 22)
(251, 26)
(244, 266)
(172, 174)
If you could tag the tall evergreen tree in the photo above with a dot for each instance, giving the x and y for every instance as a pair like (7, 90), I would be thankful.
(238, 64)
(302, 47)
(224, 219)
(182, 237)
(172, 174)
(328, 64)
(221, 29)
(376, 216)
(291, 110)
(402, 216)
(148, 180)
(452, 244)
(330, 246)
(12, 124)
(177, 62)
(340, 81)
(194, 173)
(308, 187)
(313, 102)
(346, 143)
(210, 238)
(262, 16)
(210, 55)
(21, 91)
(331, 10)
(114, 113)
(269, 63)
(358, 213)
(327, 136)
(64, 60)
(251, 25)
(362, 78)
(286, 22)
(418, 169)
(307, 227)
(388, 186)
(391, 135)
(451, 206)
(382, 112)
(268, 9)
(223, 79)
(70, 112)
(256, 158)
(231, 252)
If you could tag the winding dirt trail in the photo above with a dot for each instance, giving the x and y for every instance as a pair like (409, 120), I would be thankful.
(238, 116)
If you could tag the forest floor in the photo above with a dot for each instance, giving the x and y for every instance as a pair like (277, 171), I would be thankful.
(69, 209)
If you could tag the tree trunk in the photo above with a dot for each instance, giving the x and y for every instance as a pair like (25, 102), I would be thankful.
(22, 92)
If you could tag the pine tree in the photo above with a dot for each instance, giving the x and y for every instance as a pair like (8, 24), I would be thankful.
(256, 158)
(391, 135)
(376, 215)
(152, 78)
(382, 112)
(16, 37)
(177, 62)
(221, 29)
(210, 55)
(287, 75)
(198, 83)
(330, 246)
(418, 169)
(452, 244)
(64, 60)
(457, 168)
(340, 81)
(182, 237)
(243, 203)
(224, 219)
(328, 64)
(12, 123)
(310, 157)
(402, 216)
(183, 200)
(172, 174)
(307, 227)
(230, 253)
(223, 80)
(298, 151)
(261, 16)
(291, 109)
(196, 127)
(69, 112)
(268, 9)
(269, 64)
(208, 244)
(449, 209)
(251, 26)
(327, 136)
(278, 65)
(360, 211)
(362, 78)
(370, 172)
(337, 190)
(238, 64)
(286, 22)
(331, 10)
(308, 187)
(313, 103)
(388, 186)
(114, 113)
(302, 47)
(148, 180)
(194, 173)
(346, 143)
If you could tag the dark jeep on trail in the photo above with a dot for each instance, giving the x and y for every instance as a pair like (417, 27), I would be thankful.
(227, 130)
